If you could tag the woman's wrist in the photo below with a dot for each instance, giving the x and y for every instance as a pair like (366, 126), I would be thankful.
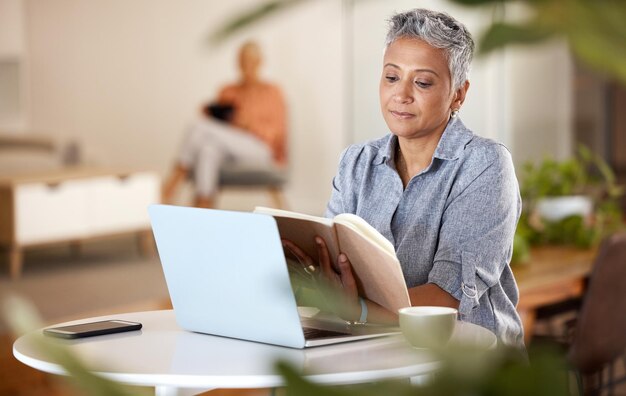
(363, 318)
(363, 315)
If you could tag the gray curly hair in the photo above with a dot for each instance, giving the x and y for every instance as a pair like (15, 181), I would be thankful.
(439, 30)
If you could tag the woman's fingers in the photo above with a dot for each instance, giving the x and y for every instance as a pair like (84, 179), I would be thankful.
(352, 309)
(347, 277)
(303, 258)
(325, 263)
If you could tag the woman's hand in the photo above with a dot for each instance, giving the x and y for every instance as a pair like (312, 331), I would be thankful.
(336, 280)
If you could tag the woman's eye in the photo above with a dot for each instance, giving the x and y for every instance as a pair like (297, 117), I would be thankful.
(422, 84)
(391, 78)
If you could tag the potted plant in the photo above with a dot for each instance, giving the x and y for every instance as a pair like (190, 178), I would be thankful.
(567, 202)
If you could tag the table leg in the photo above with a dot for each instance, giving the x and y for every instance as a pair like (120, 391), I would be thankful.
(15, 261)
(174, 391)
(145, 242)
(278, 198)
(76, 249)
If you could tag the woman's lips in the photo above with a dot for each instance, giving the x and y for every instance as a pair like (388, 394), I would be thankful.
(402, 114)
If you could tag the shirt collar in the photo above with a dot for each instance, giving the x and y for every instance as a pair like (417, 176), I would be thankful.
(452, 143)
(386, 152)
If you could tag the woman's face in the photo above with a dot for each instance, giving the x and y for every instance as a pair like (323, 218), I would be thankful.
(416, 89)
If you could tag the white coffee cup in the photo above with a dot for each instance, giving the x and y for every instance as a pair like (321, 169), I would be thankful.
(426, 326)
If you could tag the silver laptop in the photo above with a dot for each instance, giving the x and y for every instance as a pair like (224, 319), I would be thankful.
(227, 276)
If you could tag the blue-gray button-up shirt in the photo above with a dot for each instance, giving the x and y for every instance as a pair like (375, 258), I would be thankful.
(452, 225)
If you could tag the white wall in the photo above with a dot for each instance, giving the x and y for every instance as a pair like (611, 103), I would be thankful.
(11, 28)
(13, 67)
(126, 77)
(540, 101)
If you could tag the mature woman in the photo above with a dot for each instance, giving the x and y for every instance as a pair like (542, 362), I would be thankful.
(447, 199)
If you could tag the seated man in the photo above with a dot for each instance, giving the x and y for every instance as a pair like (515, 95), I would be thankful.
(254, 135)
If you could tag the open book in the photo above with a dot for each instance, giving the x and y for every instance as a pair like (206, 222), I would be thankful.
(374, 263)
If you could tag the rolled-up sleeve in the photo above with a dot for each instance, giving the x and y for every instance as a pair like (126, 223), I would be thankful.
(476, 234)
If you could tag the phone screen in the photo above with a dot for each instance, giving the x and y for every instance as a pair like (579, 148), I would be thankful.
(93, 328)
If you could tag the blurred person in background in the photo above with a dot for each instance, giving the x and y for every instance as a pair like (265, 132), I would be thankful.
(246, 125)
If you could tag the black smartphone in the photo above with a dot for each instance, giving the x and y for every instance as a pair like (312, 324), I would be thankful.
(92, 329)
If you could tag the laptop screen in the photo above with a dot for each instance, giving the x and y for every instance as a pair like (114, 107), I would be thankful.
(226, 274)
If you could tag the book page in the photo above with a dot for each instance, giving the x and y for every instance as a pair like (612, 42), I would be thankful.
(295, 215)
(367, 230)
(301, 229)
(379, 275)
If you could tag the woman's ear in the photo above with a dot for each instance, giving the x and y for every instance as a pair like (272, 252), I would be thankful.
(459, 96)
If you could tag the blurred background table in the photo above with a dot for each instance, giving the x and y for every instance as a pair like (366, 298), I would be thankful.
(553, 274)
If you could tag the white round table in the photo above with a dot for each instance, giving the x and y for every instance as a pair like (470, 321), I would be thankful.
(177, 362)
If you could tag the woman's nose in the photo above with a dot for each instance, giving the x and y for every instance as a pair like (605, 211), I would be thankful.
(403, 94)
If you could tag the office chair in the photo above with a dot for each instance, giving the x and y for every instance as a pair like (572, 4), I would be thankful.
(595, 339)
(599, 334)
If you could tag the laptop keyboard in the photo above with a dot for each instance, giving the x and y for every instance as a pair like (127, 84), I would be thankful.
(313, 334)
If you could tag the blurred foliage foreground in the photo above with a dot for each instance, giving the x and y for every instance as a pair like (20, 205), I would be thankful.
(464, 371)
(22, 317)
(501, 371)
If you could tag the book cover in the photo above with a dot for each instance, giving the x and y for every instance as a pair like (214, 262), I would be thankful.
(374, 264)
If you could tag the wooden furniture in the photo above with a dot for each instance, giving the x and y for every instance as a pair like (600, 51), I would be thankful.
(22, 154)
(73, 204)
(179, 362)
(35, 142)
(554, 274)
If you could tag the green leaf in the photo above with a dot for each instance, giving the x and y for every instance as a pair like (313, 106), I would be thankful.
(479, 2)
(22, 317)
(600, 53)
(464, 371)
(502, 34)
(596, 33)
(251, 17)
(605, 17)
(296, 385)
